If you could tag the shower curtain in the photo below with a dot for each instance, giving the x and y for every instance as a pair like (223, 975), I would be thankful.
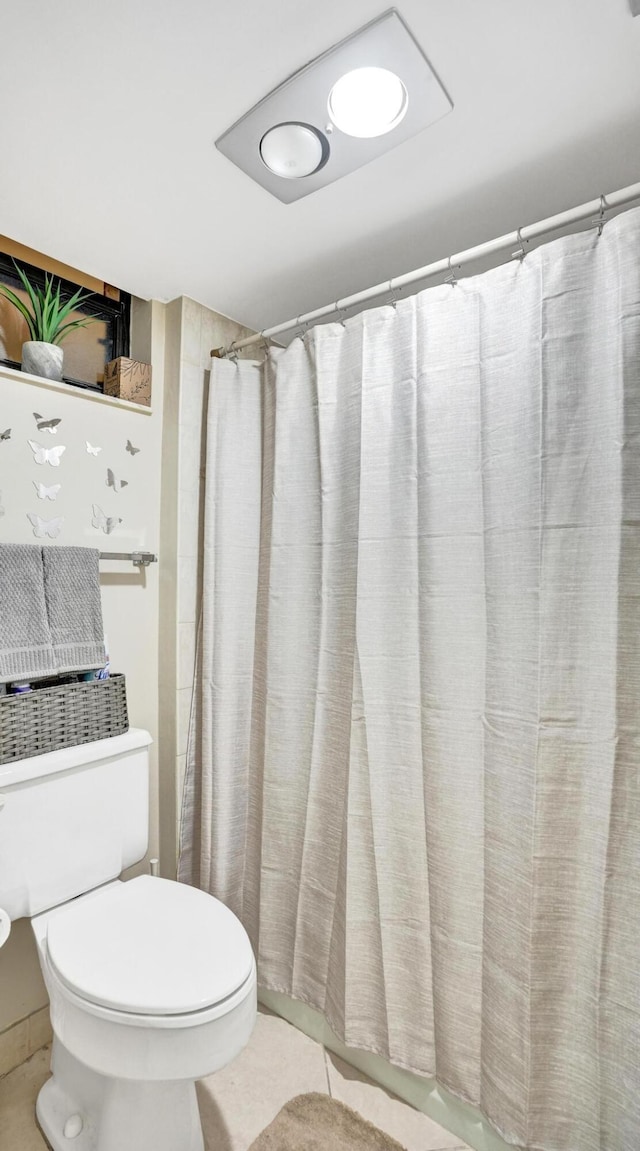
(413, 769)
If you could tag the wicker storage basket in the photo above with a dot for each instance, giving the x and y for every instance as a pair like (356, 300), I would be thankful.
(48, 718)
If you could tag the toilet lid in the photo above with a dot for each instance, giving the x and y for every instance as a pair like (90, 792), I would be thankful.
(150, 946)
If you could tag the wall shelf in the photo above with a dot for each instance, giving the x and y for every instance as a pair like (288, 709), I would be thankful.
(71, 390)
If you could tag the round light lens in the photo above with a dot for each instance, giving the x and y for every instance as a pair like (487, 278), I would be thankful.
(368, 102)
(294, 150)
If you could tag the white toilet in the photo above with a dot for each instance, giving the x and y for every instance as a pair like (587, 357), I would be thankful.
(152, 983)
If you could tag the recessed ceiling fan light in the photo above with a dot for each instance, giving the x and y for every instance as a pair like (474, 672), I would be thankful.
(368, 102)
(294, 150)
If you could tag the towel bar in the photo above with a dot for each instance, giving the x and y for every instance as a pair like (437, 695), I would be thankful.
(139, 559)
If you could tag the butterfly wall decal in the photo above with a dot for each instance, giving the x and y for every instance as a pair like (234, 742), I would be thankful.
(107, 524)
(114, 482)
(130, 449)
(45, 493)
(50, 456)
(91, 450)
(46, 425)
(6, 435)
(42, 528)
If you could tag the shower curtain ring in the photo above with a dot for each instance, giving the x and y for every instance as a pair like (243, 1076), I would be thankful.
(394, 295)
(340, 313)
(450, 278)
(232, 352)
(600, 220)
(520, 251)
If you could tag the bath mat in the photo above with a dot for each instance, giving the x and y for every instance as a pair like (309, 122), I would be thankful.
(317, 1122)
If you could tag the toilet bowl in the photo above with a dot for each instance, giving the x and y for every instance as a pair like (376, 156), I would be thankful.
(152, 985)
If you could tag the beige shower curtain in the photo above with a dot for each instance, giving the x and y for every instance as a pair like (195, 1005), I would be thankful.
(414, 760)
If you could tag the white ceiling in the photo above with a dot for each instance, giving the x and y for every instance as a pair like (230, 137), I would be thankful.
(110, 111)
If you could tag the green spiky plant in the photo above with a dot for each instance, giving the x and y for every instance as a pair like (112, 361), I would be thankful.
(47, 320)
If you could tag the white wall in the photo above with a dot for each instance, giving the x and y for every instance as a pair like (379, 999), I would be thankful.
(129, 595)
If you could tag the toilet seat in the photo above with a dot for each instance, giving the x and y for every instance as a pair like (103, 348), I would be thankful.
(149, 947)
(138, 1021)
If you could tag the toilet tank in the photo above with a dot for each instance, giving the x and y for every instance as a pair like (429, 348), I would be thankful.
(71, 820)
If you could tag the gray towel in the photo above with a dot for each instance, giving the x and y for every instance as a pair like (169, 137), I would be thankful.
(26, 647)
(72, 594)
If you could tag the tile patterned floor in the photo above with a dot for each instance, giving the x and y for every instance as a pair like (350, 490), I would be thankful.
(240, 1101)
(18, 1090)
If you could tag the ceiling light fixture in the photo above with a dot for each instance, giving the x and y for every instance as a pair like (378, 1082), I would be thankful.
(294, 150)
(347, 107)
(368, 102)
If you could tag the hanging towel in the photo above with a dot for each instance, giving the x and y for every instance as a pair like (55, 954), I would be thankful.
(72, 594)
(26, 648)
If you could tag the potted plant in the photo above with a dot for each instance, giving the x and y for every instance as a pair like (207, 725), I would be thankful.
(48, 322)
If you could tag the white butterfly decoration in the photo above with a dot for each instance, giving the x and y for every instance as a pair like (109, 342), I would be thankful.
(42, 528)
(45, 493)
(107, 524)
(91, 450)
(113, 482)
(47, 455)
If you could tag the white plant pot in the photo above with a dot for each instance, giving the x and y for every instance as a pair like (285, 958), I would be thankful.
(40, 359)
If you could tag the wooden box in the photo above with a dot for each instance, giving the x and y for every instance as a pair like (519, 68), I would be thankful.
(129, 380)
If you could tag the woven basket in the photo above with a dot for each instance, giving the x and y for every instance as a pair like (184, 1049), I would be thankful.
(49, 718)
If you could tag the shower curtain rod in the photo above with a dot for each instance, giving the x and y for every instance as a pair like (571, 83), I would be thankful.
(522, 236)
